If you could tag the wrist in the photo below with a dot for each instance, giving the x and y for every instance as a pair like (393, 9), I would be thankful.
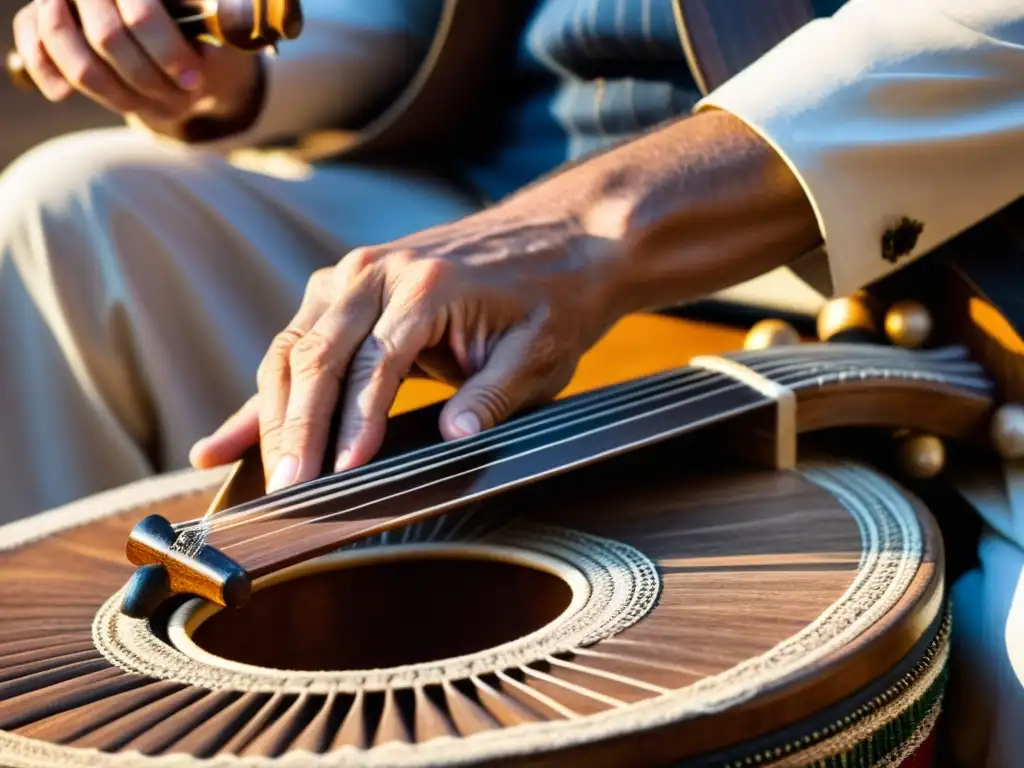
(231, 103)
(696, 207)
(236, 102)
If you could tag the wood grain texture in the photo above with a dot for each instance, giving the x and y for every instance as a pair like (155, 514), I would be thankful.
(747, 559)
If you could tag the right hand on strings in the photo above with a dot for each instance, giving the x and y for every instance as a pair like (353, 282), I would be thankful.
(130, 57)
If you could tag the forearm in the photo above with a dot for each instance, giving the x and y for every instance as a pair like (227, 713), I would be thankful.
(697, 206)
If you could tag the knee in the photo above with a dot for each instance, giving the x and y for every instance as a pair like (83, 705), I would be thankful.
(53, 196)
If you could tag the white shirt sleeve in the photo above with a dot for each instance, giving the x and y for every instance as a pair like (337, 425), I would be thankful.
(350, 54)
(890, 111)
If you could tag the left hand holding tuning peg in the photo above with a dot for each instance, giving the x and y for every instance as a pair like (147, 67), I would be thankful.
(131, 57)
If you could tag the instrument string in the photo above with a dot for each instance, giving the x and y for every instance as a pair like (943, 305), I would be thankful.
(431, 458)
(586, 402)
(321, 499)
(573, 407)
(794, 377)
(196, 17)
(400, 466)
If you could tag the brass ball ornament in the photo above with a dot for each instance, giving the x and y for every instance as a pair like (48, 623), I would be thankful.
(771, 333)
(1007, 431)
(849, 313)
(908, 324)
(921, 456)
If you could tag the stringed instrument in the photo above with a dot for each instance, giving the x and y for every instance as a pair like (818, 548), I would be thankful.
(647, 573)
(656, 572)
(248, 25)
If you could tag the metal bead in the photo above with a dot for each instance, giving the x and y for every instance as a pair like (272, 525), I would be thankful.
(771, 333)
(908, 324)
(922, 456)
(846, 314)
(1007, 431)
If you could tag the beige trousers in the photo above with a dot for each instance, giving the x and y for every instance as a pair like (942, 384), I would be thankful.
(140, 284)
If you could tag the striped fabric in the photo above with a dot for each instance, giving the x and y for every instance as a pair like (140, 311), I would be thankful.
(588, 74)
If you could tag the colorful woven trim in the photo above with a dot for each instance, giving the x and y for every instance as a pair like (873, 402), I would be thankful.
(882, 732)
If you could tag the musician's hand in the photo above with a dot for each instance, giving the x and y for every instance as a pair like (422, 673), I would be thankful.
(130, 57)
(505, 301)
(508, 300)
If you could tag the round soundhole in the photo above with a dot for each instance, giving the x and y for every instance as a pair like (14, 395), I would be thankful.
(385, 612)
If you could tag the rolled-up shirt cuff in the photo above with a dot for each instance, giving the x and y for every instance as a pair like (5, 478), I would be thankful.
(902, 122)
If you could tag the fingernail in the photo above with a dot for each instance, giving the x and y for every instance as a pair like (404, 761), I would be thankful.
(190, 79)
(341, 463)
(468, 423)
(284, 474)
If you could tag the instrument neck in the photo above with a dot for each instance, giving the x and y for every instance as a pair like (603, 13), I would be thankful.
(317, 517)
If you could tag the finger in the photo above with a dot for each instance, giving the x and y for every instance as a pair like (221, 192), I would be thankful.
(44, 74)
(83, 69)
(161, 38)
(273, 378)
(109, 37)
(318, 363)
(523, 368)
(230, 440)
(374, 377)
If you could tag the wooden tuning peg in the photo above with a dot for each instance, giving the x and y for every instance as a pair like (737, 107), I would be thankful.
(247, 25)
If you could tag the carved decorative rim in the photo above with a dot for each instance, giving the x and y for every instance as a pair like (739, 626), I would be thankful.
(892, 550)
(613, 586)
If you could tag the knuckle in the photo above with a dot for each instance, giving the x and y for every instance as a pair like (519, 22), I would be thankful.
(545, 355)
(270, 435)
(361, 260)
(48, 21)
(84, 75)
(311, 356)
(401, 260)
(425, 283)
(106, 36)
(494, 401)
(433, 273)
(274, 365)
(294, 433)
(320, 277)
(283, 342)
(24, 22)
(139, 17)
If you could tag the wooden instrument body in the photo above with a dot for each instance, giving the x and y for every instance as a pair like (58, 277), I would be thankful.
(747, 560)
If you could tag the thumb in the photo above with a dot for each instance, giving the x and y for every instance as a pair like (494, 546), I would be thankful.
(232, 438)
(521, 368)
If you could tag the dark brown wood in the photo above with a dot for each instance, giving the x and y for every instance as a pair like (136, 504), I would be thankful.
(747, 559)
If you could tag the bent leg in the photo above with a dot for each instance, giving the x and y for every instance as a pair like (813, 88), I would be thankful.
(140, 284)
